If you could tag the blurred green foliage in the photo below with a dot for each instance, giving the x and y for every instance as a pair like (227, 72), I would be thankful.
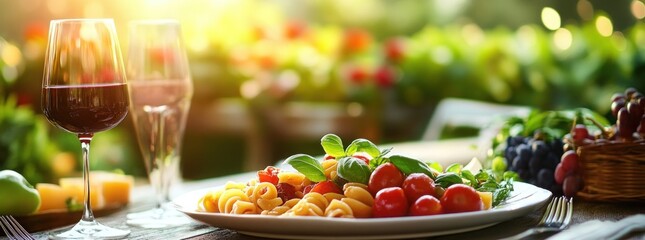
(24, 142)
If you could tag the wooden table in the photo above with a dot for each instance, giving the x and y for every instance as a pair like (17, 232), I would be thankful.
(445, 152)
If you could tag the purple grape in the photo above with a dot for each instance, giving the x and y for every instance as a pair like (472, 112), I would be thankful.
(545, 178)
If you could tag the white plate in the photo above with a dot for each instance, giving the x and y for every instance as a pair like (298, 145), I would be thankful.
(524, 199)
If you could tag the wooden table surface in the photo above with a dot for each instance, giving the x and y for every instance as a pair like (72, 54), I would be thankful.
(142, 200)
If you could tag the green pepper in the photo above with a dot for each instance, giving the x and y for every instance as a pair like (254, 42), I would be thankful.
(17, 196)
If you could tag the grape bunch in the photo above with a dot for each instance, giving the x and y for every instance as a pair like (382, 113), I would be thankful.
(628, 108)
(567, 174)
(534, 159)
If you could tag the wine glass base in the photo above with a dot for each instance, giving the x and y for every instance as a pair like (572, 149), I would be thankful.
(157, 218)
(90, 230)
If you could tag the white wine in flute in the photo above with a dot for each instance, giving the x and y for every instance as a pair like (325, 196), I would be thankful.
(159, 109)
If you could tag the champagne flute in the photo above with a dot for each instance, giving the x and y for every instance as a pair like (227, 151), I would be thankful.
(160, 93)
(84, 92)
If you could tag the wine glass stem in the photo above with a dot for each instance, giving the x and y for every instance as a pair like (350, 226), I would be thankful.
(85, 140)
(158, 157)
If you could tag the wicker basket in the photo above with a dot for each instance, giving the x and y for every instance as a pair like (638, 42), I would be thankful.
(613, 172)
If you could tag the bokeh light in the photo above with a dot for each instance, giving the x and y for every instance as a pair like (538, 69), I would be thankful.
(604, 26)
(472, 34)
(585, 10)
(638, 9)
(562, 38)
(550, 18)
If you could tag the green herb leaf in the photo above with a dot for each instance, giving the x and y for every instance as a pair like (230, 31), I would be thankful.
(307, 165)
(436, 166)
(410, 165)
(333, 145)
(455, 168)
(466, 174)
(354, 170)
(482, 176)
(362, 145)
(502, 192)
(73, 205)
(385, 151)
(447, 179)
(375, 162)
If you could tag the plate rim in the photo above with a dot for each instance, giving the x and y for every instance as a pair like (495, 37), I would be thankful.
(524, 202)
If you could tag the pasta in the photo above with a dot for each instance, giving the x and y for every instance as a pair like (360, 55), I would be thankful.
(338, 209)
(329, 168)
(295, 179)
(279, 210)
(209, 201)
(228, 198)
(265, 196)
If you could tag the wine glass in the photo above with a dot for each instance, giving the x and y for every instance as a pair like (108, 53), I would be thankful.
(160, 93)
(84, 92)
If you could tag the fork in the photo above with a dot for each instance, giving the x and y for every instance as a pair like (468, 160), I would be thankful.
(556, 217)
(13, 229)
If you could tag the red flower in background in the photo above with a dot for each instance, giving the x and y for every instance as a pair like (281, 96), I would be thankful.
(358, 74)
(35, 31)
(162, 55)
(385, 76)
(294, 29)
(356, 40)
(395, 49)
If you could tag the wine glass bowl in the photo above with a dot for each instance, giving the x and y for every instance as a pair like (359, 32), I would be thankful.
(84, 91)
(160, 93)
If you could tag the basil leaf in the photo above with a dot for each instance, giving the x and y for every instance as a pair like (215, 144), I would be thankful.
(454, 168)
(307, 165)
(482, 176)
(332, 145)
(470, 177)
(363, 145)
(436, 166)
(410, 165)
(375, 162)
(447, 179)
(354, 170)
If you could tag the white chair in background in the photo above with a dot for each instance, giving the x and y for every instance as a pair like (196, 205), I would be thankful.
(461, 112)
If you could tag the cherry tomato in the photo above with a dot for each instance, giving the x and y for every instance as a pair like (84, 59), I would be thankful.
(328, 157)
(307, 188)
(363, 156)
(461, 198)
(385, 175)
(426, 205)
(269, 174)
(417, 185)
(390, 202)
(326, 187)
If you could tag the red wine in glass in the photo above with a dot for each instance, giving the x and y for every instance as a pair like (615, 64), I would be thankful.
(86, 108)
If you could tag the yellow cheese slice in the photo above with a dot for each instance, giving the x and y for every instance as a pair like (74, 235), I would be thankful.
(75, 187)
(53, 197)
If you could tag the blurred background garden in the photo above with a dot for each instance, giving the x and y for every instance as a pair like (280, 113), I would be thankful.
(272, 77)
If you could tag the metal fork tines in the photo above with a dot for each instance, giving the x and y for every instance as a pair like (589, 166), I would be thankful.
(12, 228)
(556, 217)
